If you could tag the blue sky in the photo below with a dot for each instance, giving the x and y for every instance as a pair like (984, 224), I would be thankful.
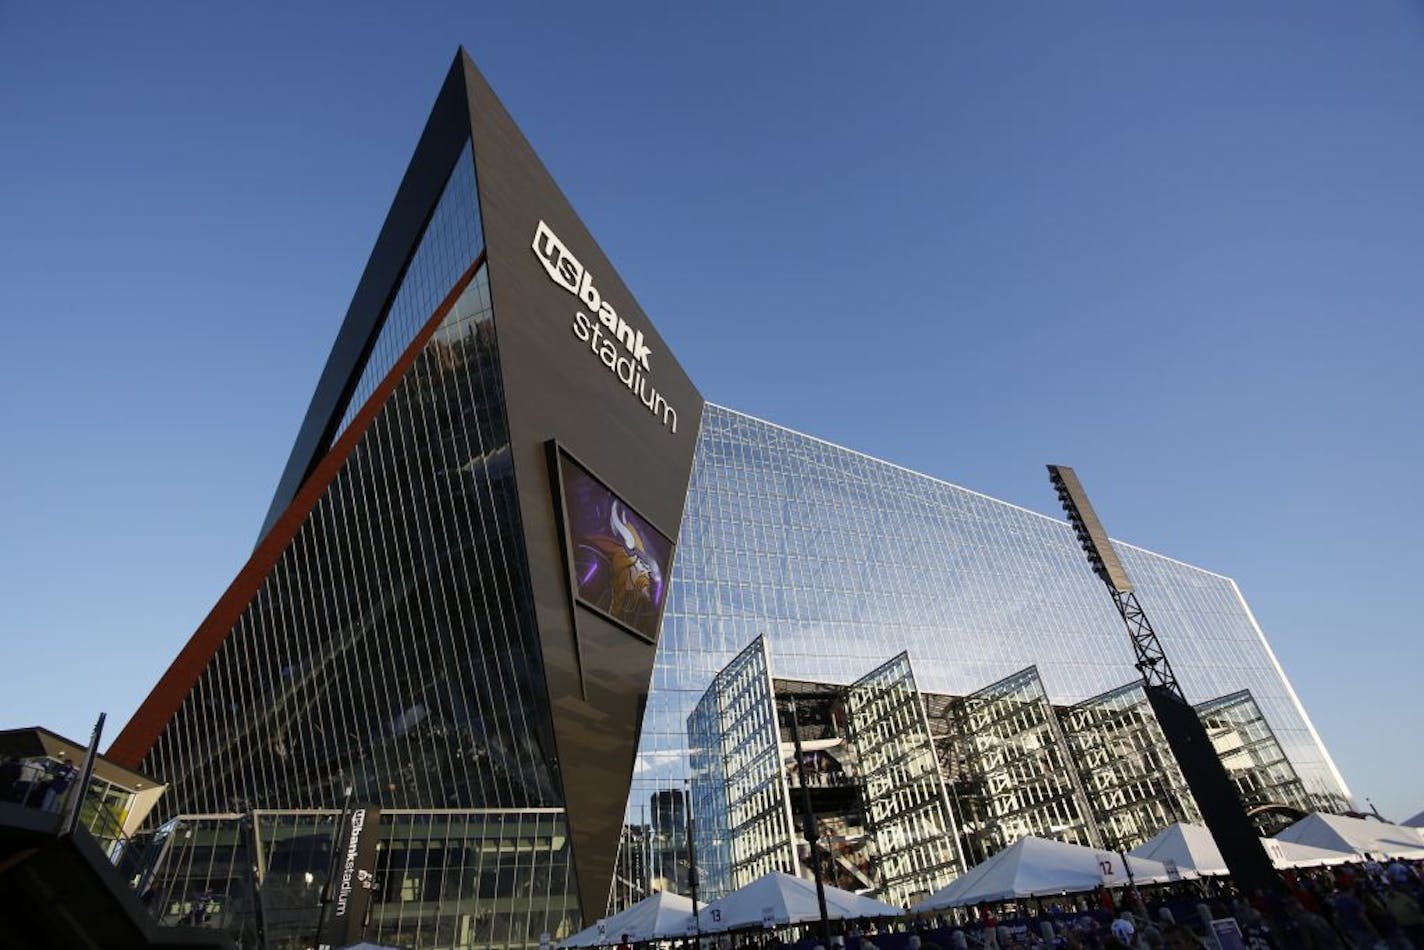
(1175, 247)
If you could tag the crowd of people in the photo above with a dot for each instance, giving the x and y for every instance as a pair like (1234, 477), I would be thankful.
(1374, 905)
(35, 783)
(1369, 906)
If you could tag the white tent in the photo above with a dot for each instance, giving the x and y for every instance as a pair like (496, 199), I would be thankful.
(1190, 847)
(659, 917)
(1338, 833)
(1035, 867)
(776, 899)
(1292, 854)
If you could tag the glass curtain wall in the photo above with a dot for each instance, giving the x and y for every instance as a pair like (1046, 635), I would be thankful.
(392, 649)
(451, 241)
(740, 802)
(1132, 780)
(904, 792)
(1252, 755)
(842, 560)
(201, 875)
(452, 879)
(1016, 775)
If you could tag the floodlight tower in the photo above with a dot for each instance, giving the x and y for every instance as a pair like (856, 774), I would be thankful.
(1236, 836)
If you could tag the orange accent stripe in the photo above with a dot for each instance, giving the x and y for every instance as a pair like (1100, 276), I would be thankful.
(147, 723)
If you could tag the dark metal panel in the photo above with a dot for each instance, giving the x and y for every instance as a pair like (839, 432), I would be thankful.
(557, 387)
(446, 132)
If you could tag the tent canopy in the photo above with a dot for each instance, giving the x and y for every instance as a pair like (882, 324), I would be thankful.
(1035, 867)
(1416, 822)
(1292, 854)
(658, 917)
(777, 899)
(1195, 852)
(1190, 847)
(1338, 833)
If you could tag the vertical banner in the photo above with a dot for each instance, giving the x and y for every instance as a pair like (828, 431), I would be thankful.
(349, 891)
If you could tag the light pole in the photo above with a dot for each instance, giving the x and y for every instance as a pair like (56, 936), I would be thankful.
(811, 828)
(1216, 795)
(691, 855)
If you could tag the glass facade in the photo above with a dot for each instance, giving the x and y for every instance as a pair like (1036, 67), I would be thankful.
(905, 801)
(1013, 771)
(739, 794)
(1252, 755)
(910, 789)
(392, 651)
(844, 561)
(1132, 780)
(450, 242)
(445, 878)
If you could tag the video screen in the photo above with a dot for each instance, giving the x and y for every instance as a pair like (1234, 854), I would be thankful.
(620, 562)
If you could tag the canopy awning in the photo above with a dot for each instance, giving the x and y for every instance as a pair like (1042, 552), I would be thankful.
(1191, 848)
(1037, 867)
(777, 899)
(1338, 833)
(1291, 854)
(662, 916)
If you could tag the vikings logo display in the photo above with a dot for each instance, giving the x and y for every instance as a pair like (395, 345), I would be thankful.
(619, 560)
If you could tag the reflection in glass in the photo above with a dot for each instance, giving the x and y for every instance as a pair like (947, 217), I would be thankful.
(842, 560)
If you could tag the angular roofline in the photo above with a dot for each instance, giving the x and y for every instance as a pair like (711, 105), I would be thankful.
(445, 132)
(1290, 691)
(949, 484)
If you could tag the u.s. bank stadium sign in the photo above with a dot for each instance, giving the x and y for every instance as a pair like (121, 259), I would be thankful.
(621, 349)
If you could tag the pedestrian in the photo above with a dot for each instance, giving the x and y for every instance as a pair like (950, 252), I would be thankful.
(57, 784)
(1124, 929)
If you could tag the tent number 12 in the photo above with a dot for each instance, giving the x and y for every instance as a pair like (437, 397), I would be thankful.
(1106, 867)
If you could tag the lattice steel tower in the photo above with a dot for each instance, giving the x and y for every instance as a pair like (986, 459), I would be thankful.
(1210, 785)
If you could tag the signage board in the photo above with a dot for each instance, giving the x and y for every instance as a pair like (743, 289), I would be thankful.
(1108, 868)
(1228, 934)
(348, 893)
